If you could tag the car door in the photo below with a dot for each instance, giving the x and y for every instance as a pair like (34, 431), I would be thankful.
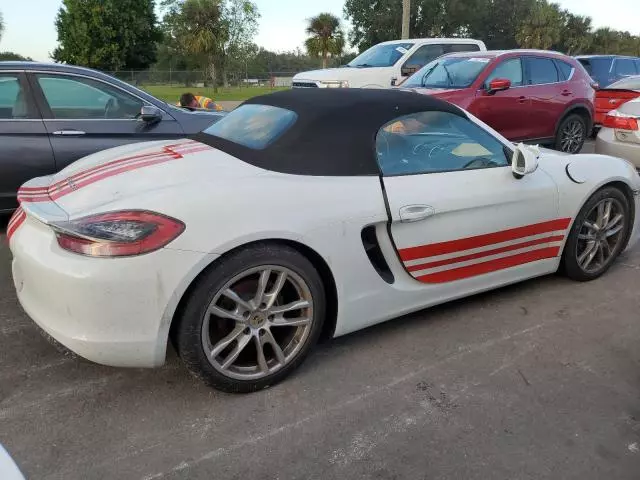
(85, 115)
(458, 214)
(506, 111)
(549, 97)
(25, 151)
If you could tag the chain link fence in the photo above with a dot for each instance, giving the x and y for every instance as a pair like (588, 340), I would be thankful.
(200, 78)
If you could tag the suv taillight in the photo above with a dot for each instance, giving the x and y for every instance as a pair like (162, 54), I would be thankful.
(118, 234)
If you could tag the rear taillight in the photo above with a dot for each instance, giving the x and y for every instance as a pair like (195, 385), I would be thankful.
(620, 121)
(118, 234)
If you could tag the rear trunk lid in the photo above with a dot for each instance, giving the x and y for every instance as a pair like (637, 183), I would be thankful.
(125, 172)
(611, 99)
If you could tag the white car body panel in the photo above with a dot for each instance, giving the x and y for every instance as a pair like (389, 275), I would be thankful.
(376, 77)
(118, 311)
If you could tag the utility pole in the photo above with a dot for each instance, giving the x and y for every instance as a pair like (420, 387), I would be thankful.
(406, 16)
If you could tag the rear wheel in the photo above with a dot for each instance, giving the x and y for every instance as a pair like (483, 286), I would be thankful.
(571, 135)
(252, 319)
(598, 235)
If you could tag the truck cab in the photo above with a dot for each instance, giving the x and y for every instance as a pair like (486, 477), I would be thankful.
(386, 64)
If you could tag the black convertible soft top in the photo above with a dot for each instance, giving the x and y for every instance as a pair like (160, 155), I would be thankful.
(335, 132)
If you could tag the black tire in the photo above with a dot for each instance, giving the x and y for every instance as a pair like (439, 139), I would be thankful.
(571, 134)
(569, 264)
(187, 333)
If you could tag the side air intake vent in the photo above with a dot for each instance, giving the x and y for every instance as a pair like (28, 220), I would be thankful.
(372, 248)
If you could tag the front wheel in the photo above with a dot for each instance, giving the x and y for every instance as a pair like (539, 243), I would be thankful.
(571, 135)
(252, 318)
(598, 235)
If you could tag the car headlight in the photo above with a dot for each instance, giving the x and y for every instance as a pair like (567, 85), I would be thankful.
(336, 84)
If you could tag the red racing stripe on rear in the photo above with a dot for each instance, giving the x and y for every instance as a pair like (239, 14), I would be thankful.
(486, 253)
(490, 266)
(442, 248)
(17, 219)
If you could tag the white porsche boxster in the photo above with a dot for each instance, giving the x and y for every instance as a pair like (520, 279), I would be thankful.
(301, 215)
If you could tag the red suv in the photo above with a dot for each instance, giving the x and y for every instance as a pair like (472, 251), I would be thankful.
(526, 95)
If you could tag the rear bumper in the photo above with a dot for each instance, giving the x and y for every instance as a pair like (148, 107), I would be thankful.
(607, 144)
(111, 311)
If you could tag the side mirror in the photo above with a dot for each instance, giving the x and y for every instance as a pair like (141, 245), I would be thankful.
(524, 160)
(408, 70)
(498, 84)
(150, 114)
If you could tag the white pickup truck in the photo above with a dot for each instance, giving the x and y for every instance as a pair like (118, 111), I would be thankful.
(386, 64)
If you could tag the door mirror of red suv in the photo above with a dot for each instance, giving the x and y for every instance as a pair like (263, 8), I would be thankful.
(498, 84)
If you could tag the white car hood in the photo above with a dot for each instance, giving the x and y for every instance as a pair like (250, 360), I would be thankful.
(356, 77)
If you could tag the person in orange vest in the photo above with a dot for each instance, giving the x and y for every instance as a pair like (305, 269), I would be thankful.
(189, 100)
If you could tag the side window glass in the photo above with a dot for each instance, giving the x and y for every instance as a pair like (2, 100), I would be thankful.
(424, 55)
(565, 70)
(625, 66)
(463, 47)
(80, 98)
(542, 70)
(432, 142)
(13, 100)
(509, 69)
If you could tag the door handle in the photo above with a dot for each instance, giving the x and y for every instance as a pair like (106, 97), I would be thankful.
(566, 93)
(522, 99)
(69, 132)
(415, 213)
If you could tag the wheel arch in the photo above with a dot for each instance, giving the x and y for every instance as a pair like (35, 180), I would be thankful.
(626, 191)
(319, 263)
(581, 109)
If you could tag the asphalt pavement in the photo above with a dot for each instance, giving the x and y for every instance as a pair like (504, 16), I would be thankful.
(539, 380)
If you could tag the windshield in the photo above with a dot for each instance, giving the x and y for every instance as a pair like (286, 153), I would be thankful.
(382, 55)
(449, 72)
(253, 126)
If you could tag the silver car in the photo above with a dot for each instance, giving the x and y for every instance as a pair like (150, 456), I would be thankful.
(620, 133)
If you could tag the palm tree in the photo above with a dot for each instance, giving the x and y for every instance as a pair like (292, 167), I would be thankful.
(325, 37)
(202, 32)
(1, 25)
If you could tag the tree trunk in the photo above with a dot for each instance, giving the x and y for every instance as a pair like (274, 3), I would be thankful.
(324, 59)
(212, 72)
(406, 18)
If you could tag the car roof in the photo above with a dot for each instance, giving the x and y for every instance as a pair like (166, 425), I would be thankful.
(499, 53)
(335, 130)
(579, 57)
(434, 40)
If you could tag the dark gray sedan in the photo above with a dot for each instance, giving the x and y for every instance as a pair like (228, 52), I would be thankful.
(52, 115)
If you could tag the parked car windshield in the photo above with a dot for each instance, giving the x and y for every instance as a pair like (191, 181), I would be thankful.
(449, 72)
(382, 55)
(253, 126)
(597, 68)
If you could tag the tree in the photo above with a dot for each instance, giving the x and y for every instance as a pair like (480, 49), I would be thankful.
(107, 34)
(542, 28)
(1, 25)
(576, 34)
(202, 32)
(325, 37)
(11, 56)
(240, 19)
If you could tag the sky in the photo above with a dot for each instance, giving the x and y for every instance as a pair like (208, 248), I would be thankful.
(30, 30)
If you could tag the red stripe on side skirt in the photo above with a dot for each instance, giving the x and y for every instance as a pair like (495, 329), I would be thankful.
(442, 248)
(486, 253)
(491, 266)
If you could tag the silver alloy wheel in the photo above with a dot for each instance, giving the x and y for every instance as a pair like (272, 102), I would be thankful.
(572, 136)
(600, 235)
(257, 322)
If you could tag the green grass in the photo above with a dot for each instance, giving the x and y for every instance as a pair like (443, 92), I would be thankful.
(172, 94)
